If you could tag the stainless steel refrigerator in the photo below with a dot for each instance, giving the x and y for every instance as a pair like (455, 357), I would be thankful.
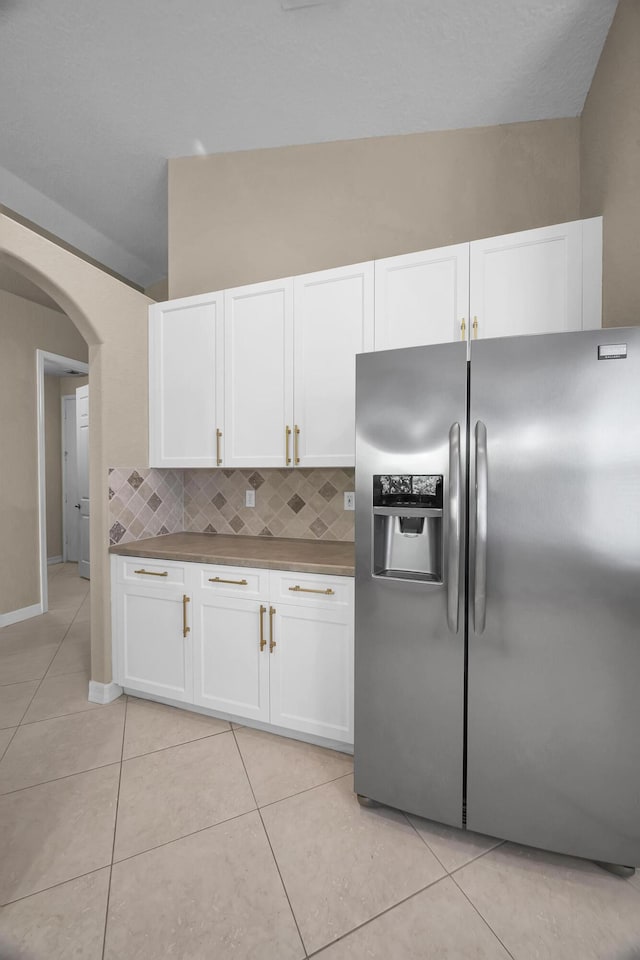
(498, 588)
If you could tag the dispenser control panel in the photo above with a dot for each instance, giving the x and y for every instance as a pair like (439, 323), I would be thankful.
(407, 490)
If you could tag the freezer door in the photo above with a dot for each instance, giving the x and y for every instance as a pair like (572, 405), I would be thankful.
(554, 598)
(409, 670)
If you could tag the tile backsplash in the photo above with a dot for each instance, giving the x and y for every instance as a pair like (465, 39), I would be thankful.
(300, 503)
(144, 503)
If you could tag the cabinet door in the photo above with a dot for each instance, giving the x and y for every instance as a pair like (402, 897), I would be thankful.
(185, 381)
(231, 672)
(258, 374)
(153, 655)
(529, 282)
(333, 321)
(422, 298)
(311, 678)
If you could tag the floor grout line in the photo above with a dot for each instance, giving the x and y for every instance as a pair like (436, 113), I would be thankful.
(365, 923)
(299, 793)
(172, 746)
(484, 919)
(115, 828)
(268, 838)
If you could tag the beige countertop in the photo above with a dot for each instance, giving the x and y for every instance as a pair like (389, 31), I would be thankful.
(330, 557)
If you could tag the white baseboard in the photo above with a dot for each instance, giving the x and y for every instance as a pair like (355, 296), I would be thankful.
(52, 560)
(104, 692)
(15, 616)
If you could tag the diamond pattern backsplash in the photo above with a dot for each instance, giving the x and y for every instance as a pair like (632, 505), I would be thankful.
(144, 503)
(304, 503)
(301, 503)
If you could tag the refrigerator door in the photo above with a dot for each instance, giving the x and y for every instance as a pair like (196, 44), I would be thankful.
(409, 648)
(554, 594)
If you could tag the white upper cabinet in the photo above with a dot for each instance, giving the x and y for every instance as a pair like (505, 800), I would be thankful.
(333, 321)
(529, 282)
(422, 297)
(537, 281)
(258, 374)
(185, 381)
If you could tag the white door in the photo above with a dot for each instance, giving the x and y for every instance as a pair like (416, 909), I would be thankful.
(231, 665)
(70, 516)
(258, 374)
(82, 453)
(529, 282)
(311, 677)
(154, 654)
(333, 321)
(422, 298)
(186, 382)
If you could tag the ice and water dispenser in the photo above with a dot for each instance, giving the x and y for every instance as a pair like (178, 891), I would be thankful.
(407, 527)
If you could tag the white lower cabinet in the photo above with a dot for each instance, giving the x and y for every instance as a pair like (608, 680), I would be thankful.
(231, 667)
(153, 649)
(281, 654)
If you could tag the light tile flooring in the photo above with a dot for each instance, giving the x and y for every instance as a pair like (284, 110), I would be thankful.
(138, 831)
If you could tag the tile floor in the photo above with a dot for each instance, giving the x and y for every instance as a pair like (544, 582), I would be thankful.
(138, 831)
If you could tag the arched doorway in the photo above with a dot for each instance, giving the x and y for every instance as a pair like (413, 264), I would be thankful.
(112, 318)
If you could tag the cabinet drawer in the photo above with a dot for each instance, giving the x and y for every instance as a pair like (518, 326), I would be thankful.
(153, 573)
(311, 589)
(228, 581)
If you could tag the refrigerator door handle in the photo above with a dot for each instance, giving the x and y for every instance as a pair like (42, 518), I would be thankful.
(453, 560)
(480, 577)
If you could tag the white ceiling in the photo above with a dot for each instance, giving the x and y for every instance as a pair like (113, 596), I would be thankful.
(97, 95)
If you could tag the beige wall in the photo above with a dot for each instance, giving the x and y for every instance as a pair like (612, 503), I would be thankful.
(112, 317)
(610, 156)
(242, 217)
(24, 327)
(158, 291)
(53, 464)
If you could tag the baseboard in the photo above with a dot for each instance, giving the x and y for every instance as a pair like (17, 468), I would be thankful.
(52, 560)
(103, 692)
(15, 616)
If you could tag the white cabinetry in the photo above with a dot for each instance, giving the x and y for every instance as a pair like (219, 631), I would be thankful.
(537, 281)
(185, 382)
(258, 373)
(153, 652)
(422, 297)
(268, 646)
(333, 321)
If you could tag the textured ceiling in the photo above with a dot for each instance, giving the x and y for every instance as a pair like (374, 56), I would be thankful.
(97, 95)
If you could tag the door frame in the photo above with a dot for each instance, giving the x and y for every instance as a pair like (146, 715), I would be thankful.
(63, 363)
(66, 511)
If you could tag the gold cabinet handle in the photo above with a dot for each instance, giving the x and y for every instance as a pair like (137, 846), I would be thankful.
(263, 642)
(185, 601)
(272, 643)
(287, 437)
(463, 329)
(218, 437)
(298, 589)
(153, 573)
(475, 328)
(238, 583)
(296, 435)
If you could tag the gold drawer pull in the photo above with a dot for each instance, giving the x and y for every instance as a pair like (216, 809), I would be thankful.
(287, 437)
(263, 641)
(475, 328)
(272, 643)
(463, 329)
(185, 601)
(296, 440)
(297, 589)
(218, 457)
(238, 583)
(152, 573)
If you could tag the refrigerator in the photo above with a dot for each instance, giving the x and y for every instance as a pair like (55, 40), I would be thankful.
(497, 630)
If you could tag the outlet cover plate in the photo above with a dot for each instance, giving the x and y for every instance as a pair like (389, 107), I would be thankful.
(350, 501)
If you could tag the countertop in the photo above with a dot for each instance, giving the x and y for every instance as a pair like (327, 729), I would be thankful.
(330, 557)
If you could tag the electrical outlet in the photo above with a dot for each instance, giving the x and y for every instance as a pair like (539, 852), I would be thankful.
(249, 498)
(350, 501)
